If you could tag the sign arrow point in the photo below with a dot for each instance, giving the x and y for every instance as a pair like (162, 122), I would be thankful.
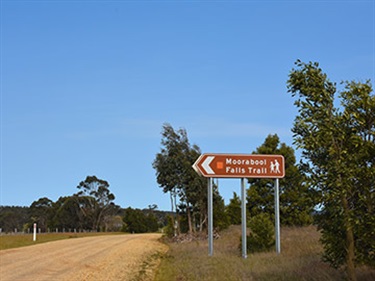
(206, 165)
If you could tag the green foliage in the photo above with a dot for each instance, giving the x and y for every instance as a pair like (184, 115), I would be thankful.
(13, 217)
(333, 235)
(233, 210)
(220, 218)
(297, 199)
(42, 213)
(171, 165)
(90, 209)
(95, 200)
(169, 228)
(261, 236)
(174, 174)
(137, 221)
(338, 149)
(358, 117)
(68, 214)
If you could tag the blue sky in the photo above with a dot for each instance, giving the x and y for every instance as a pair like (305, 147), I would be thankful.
(87, 85)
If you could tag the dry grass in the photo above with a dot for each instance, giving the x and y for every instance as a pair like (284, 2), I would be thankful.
(299, 260)
(21, 240)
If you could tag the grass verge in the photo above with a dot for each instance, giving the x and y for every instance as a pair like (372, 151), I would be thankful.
(299, 260)
(148, 267)
(21, 240)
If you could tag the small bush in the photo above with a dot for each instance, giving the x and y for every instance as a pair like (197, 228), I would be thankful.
(168, 230)
(261, 236)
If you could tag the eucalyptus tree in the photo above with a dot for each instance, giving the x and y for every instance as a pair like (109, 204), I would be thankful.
(170, 164)
(41, 212)
(338, 150)
(175, 175)
(95, 200)
(68, 214)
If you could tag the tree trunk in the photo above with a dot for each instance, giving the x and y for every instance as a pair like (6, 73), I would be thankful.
(189, 217)
(350, 254)
(176, 223)
(194, 223)
(174, 216)
(202, 221)
(171, 196)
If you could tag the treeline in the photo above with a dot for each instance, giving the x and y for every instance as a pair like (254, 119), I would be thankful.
(90, 209)
(15, 219)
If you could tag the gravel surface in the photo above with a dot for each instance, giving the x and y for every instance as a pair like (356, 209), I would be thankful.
(113, 258)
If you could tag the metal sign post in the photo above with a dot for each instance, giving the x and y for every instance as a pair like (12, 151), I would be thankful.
(243, 218)
(277, 217)
(210, 218)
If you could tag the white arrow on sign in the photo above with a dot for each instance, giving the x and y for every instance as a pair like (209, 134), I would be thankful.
(206, 165)
(195, 167)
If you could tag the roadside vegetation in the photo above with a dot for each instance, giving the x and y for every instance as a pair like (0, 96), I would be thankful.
(332, 186)
(300, 259)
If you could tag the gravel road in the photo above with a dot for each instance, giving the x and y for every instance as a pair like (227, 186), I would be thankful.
(113, 258)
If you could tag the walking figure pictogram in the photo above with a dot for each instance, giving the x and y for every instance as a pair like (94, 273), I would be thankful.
(272, 167)
(275, 167)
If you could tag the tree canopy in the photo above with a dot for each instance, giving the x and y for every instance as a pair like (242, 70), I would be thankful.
(137, 221)
(338, 150)
(95, 200)
(296, 197)
(233, 209)
(174, 174)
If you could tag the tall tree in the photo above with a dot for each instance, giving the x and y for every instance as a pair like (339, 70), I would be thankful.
(296, 198)
(195, 192)
(338, 149)
(174, 172)
(42, 213)
(98, 200)
(169, 164)
(359, 120)
(68, 214)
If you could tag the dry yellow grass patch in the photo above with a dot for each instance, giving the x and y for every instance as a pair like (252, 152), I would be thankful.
(300, 259)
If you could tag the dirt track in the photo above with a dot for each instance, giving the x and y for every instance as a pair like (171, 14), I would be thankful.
(112, 258)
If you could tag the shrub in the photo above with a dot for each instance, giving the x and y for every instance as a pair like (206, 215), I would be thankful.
(168, 230)
(261, 236)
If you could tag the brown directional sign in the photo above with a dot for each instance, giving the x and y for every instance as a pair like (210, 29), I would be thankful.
(215, 165)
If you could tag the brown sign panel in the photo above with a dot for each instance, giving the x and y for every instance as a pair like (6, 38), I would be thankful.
(240, 165)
